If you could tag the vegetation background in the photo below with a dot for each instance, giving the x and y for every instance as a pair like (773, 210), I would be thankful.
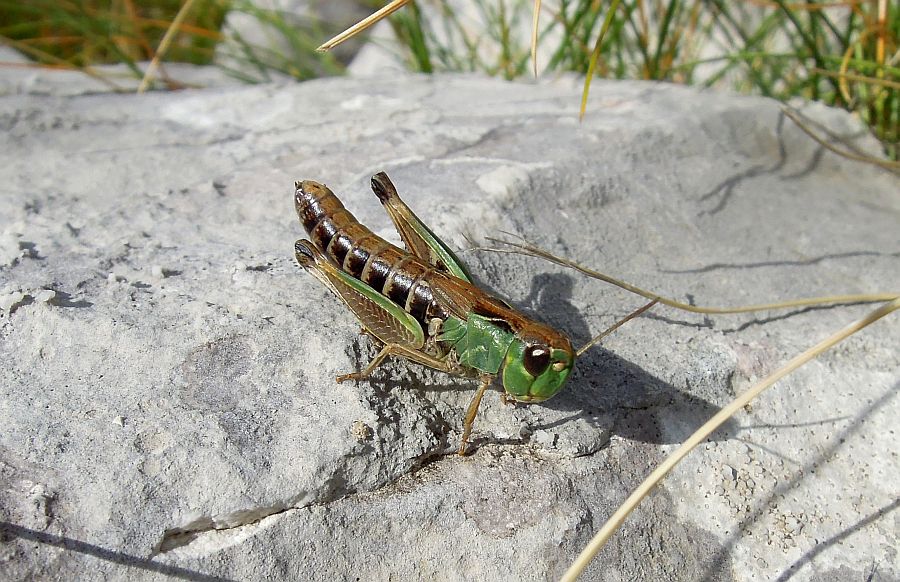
(843, 53)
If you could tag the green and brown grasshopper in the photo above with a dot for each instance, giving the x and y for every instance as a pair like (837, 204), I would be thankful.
(421, 303)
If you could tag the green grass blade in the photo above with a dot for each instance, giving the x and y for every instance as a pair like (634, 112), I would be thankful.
(595, 56)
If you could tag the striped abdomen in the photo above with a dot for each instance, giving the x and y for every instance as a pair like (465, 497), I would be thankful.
(361, 253)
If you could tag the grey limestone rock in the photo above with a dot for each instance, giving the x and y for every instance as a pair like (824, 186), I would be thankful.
(168, 406)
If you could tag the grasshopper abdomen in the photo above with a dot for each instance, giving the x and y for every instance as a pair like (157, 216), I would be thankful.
(359, 252)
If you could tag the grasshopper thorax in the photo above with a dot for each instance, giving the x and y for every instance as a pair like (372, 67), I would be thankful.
(537, 364)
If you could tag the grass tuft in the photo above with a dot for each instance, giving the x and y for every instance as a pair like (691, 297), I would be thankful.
(843, 53)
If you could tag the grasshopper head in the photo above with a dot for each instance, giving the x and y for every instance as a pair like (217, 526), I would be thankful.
(537, 364)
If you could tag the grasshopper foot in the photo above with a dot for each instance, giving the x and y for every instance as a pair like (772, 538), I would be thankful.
(352, 376)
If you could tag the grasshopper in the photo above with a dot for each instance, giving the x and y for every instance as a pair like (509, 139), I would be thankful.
(421, 303)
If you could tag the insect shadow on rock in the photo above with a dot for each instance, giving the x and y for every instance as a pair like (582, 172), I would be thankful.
(626, 401)
(422, 305)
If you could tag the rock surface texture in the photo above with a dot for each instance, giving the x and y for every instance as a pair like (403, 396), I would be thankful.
(168, 407)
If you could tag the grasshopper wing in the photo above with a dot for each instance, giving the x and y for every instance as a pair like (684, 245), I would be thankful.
(417, 237)
(462, 299)
(382, 317)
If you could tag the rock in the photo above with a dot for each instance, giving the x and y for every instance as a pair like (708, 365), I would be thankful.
(10, 301)
(172, 412)
(45, 295)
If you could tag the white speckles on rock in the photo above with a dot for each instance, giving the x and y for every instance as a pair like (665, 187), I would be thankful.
(368, 102)
(10, 251)
(10, 301)
(504, 181)
(728, 473)
(545, 438)
(44, 295)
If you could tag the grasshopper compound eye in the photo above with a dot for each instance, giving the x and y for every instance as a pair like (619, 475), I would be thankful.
(536, 359)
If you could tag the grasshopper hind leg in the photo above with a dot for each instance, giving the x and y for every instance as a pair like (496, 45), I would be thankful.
(401, 334)
(417, 237)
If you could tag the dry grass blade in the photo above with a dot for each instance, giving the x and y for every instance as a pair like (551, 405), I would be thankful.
(845, 64)
(704, 431)
(804, 125)
(809, 7)
(526, 248)
(535, 20)
(164, 44)
(363, 24)
(882, 31)
(859, 78)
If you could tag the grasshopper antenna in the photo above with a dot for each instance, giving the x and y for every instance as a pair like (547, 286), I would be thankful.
(614, 327)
